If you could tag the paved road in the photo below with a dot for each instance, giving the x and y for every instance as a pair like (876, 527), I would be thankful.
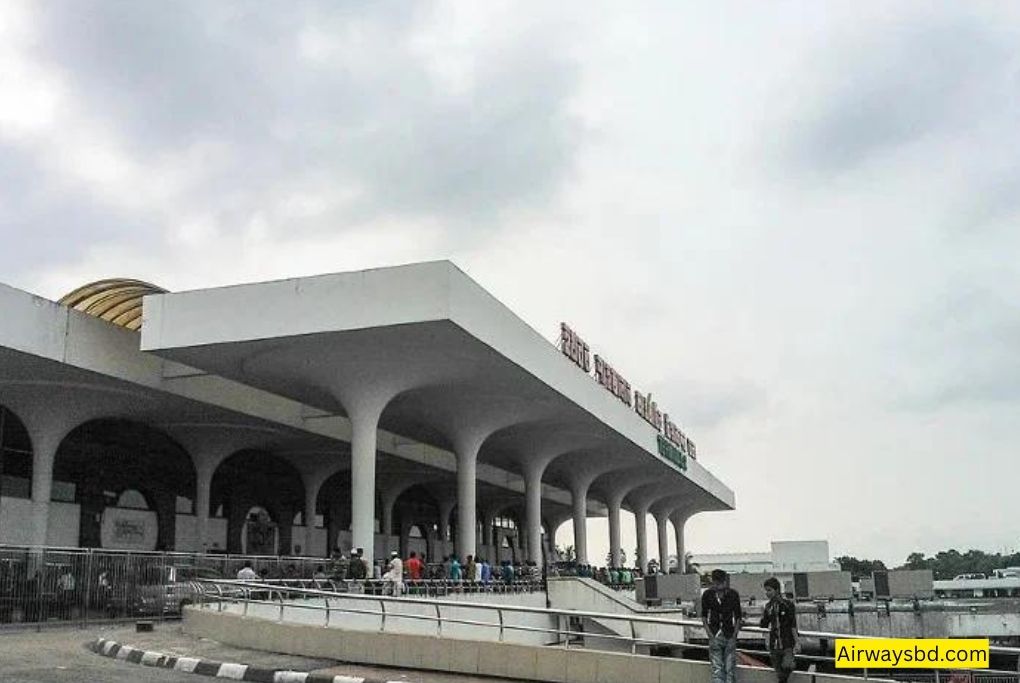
(60, 656)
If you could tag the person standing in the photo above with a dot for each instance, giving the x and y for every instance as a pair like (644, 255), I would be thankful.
(414, 567)
(779, 616)
(479, 564)
(507, 573)
(722, 616)
(486, 572)
(395, 574)
(455, 573)
(247, 573)
(356, 569)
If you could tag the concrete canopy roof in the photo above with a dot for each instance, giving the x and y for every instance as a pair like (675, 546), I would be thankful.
(444, 360)
(60, 367)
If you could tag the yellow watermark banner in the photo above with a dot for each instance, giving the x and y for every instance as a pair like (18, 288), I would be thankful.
(911, 653)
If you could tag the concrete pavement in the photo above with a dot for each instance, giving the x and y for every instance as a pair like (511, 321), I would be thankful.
(61, 656)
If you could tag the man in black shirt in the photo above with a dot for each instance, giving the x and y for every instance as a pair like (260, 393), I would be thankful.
(722, 616)
(357, 570)
(780, 618)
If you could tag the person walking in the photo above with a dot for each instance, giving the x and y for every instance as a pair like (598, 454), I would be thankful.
(722, 616)
(779, 616)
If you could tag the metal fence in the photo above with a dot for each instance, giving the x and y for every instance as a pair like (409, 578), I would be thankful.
(83, 586)
(569, 631)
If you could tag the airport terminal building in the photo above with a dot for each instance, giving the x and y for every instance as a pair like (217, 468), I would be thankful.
(399, 408)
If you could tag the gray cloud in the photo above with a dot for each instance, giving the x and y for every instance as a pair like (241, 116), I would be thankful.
(365, 116)
(700, 406)
(44, 222)
(962, 351)
(899, 83)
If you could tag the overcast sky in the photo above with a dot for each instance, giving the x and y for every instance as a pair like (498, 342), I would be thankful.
(797, 224)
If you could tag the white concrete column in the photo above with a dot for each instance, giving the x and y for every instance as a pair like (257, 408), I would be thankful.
(533, 510)
(311, 498)
(487, 529)
(679, 521)
(203, 492)
(613, 504)
(662, 521)
(45, 442)
(388, 503)
(446, 506)
(641, 531)
(364, 426)
(579, 500)
(467, 474)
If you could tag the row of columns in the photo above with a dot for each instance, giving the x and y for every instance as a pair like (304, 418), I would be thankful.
(49, 420)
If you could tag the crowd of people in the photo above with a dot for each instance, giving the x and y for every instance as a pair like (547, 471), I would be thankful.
(619, 577)
(398, 574)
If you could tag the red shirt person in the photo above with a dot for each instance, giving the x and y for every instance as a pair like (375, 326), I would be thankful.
(414, 567)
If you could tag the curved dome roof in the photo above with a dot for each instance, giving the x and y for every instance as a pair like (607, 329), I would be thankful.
(117, 300)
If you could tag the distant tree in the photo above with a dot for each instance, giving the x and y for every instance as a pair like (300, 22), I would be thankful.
(567, 554)
(859, 568)
(947, 564)
(916, 561)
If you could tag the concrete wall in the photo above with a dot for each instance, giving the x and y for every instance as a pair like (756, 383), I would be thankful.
(749, 585)
(126, 529)
(800, 556)
(186, 534)
(64, 525)
(908, 583)
(829, 584)
(587, 595)
(910, 624)
(217, 532)
(519, 662)
(15, 521)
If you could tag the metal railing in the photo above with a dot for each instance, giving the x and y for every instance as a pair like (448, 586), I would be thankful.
(568, 630)
(412, 587)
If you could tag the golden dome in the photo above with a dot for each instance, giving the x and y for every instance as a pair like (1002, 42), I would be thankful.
(117, 300)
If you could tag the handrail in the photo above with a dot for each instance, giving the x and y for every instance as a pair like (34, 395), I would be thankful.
(634, 642)
(526, 609)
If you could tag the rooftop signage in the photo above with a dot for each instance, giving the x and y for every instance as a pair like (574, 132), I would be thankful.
(673, 444)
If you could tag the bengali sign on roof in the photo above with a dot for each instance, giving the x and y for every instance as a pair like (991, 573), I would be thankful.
(672, 443)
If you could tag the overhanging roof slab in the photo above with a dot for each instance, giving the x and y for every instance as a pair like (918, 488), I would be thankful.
(424, 328)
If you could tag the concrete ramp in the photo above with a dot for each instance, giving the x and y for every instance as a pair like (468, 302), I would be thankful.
(587, 595)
